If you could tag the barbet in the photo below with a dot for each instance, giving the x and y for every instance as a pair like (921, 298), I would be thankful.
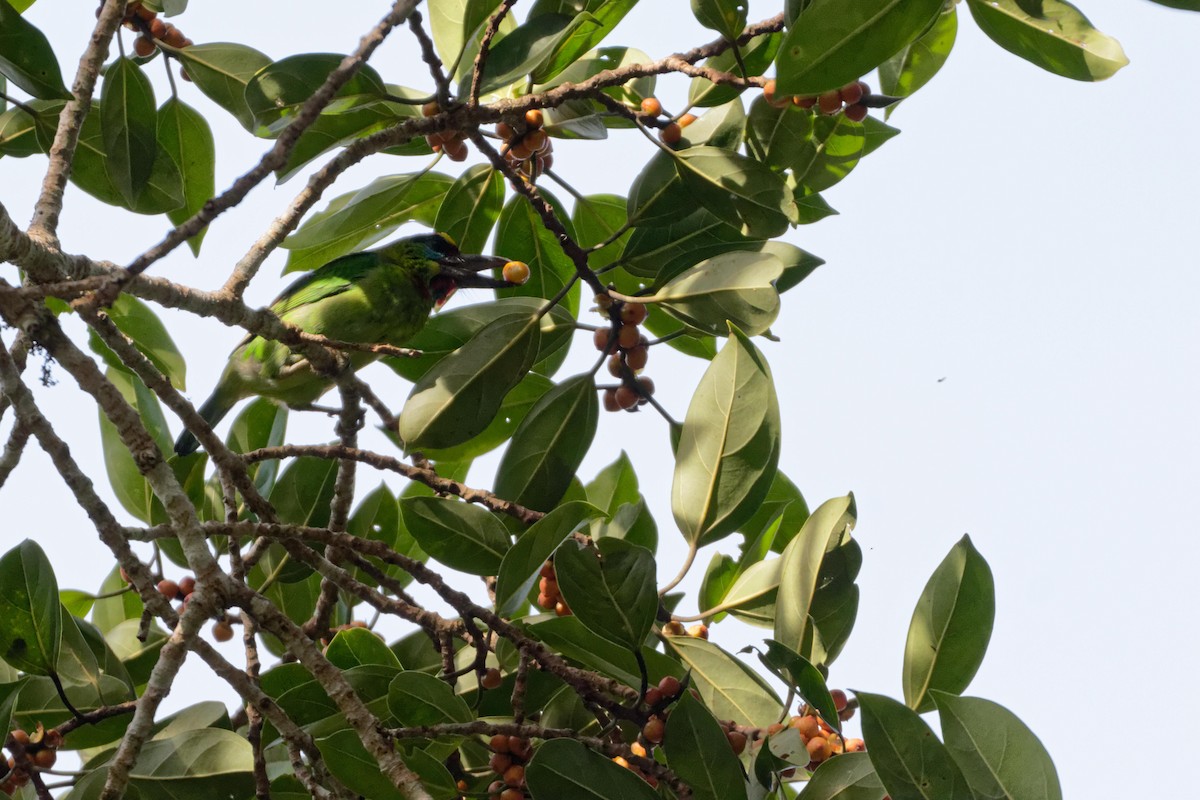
(381, 296)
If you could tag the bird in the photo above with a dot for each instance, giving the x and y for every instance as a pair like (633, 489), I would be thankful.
(380, 296)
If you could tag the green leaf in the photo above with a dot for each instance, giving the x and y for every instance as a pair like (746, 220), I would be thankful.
(30, 613)
(128, 483)
(471, 208)
(742, 192)
(726, 17)
(661, 252)
(596, 218)
(377, 518)
(735, 288)
(722, 127)
(454, 22)
(521, 564)
(512, 412)
(304, 491)
(261, 423)
(850, 776)
(599, 17)
(997, 753)
(568, 636)
(950, 627)
(354, 647)
(1051, 34)
(275, 94)
(26, 57)
(521, 236)
(782, 494)
(18, 135)
(1190, 5)
(564, 768)
(524, 50)
(753, 594)
(833, 42)
(800, 674)
(914, 66)
(196, 765)
(800, 569)
(757, 55)
(730, 689)
(658, 195)
(129, 122)
(221, 70)
(458, 398)
(328, 131)
(108, 612)
(549, 445)
(781, 136)
(354, 221)
(909, 760)
(699, 752)
(461, 535)
(185, 137)
(345, 757)
(836, 146)
(610, 588)
(416, 698)
(729, 447)
(136, 320)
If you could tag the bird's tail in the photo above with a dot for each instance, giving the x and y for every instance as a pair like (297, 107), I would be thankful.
(213, 410)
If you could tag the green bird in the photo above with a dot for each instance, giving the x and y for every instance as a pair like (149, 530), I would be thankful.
(374, 297)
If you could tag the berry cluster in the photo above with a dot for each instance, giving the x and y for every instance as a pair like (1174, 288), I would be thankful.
(527, 148)
(848, 99)
(153, 30)
(182, 590)
(657, 699)
(452, 143)
(509, 755)
(697, 631)
(629, 353)
(820, 740)
(40, 752)
(549, 597)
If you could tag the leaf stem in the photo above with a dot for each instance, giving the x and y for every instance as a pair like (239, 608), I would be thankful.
(693, 547)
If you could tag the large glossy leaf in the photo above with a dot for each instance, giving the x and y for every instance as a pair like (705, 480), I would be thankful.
(345, 756)
(377, 517)
(129, 122)
(186, 138)
(357, 220)
(726, 17)
(549, 445)
(512, 412)
(803, 676)
(779, 137)
(564, 768)
(458, 398)
(752, 596)
(108, 612)
(277, 91)
(950, 627)
(328, 131)
(139, 322)
(997, 753)
(30, 613)
(915, 65)
(756, 56)
(835, 41)
(221, 71)
(835, 147)
(699, 752)
(304, 491)
(196, 765)
(454, 22)
(908, 758)
(471, 208)
(741, 191)
(417, 698)
(261, 423)
(568, 636)
(850, 776)
(26, 57)
(596, 218)
(1052, 34)
(18, 135)
(356, 647)
(663, 251)
(735, 288)
(461, 535)
(730, 689)
(800, 569)
(524, 50)
(521, 564)
(599, 17)
(729, 446)
(128, 483)
(610, 587)
(658, 195)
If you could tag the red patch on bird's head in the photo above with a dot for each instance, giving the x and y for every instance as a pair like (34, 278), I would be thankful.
(442, 287)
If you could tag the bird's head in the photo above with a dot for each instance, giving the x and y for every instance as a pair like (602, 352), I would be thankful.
(443, 268)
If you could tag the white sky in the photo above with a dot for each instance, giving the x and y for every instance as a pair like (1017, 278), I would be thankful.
(1028, 238)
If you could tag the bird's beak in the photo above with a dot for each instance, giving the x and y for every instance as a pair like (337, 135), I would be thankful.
(466, 269)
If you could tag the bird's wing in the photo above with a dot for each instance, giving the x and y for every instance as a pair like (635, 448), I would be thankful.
(326, 281)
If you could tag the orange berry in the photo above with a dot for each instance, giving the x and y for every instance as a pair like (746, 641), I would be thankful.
(521, 749)
(499, 762)
(807, 726)
(628, 336)
(44, 758)
(168, 588)
(521, 151)
(534, 118)
(807, 101)
(830, 102)
(562, 609)
(144, 47)
(698, 631)
(498, 743)
(671, 134)
(457, 150)
(737, 740)
(187, 584)
(638, 749)
(491, 678)
(851, 93)
(20, 737)
(601, 338)
(504, 130)
(621, 762)
(653, 697)
(839, 699)
(651, 106)
(634, 313)
(174, 37)
(430, 109)
(547, 570)
(686, 119)
(511, 794)
(222, 631)
(819, 749)
(514, 775)
(616, 366)
(647, 386)
(609, 399)
(627, 398)
(653, 730)
(544, 600)
(769, 95)
(535, 139)
(637, 357)
(52, 738)
(516, 272)
(856, 112)
(142, 12)
(158, 28)
(670, 685)
(855, 745)
(774, 728)
(672, 628)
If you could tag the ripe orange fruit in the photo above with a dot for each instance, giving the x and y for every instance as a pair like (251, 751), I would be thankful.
(491, 679)
(651, 106)
(671, 134)
(516, 272)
